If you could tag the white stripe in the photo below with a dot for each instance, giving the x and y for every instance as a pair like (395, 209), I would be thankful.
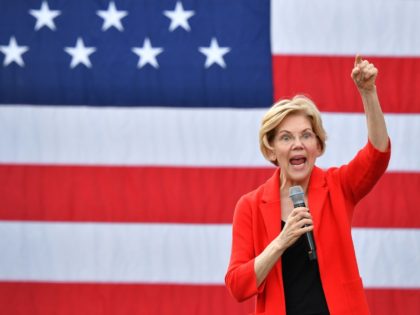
(388, 258)
(155, 253)
(172, 253)
(177, 137)
(331, 27)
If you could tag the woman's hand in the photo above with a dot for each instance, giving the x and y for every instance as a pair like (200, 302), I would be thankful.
(295, 227)
(298, 223)
(364, 75)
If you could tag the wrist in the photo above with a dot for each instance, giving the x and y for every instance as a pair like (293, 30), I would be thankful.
(278, 246)
(367, 92)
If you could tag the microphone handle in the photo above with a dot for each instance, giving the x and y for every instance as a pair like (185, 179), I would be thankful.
(309, 237)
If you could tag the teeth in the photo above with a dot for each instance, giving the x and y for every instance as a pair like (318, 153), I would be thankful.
(297, 161)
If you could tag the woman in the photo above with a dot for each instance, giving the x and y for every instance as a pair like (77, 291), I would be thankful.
(269, 256)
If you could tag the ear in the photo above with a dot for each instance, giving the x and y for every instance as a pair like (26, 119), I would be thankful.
(318, 149)
(272, 156)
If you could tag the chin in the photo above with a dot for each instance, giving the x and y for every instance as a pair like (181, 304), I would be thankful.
(299, 178)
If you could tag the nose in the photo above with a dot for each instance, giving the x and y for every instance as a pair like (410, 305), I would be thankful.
(297, 142)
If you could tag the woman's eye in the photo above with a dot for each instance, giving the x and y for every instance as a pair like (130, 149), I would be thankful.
(307, 135)
(285, 138)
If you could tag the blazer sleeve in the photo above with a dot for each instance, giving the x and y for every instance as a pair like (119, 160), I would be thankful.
(362, 173)
(240, 278)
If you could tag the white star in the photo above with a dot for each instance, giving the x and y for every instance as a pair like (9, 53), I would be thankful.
(13, 52)
(80, 53)
(214, 53)
(147, 54)
(179, 17)
(112, 17)
(44, 16)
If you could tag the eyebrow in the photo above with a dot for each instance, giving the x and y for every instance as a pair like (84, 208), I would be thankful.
(287, 131)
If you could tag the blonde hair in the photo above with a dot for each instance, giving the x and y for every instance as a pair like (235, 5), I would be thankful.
(279, 111)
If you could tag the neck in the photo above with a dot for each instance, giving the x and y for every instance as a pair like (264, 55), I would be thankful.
(284, 186)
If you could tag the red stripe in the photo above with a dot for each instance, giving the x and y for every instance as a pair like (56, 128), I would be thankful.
(122, 299)
(117, 299)
(390, 203)
(392, 302)
(326, 79)
(123, 194)
(174, 195)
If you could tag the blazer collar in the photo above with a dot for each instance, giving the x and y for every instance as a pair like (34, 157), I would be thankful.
(272, 188)
(270, 206)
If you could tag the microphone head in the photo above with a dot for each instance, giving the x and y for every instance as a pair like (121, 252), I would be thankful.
(296, 193)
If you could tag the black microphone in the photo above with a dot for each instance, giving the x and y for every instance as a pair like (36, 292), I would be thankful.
(296, 193)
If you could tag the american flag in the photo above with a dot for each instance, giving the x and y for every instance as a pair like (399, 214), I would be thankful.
(129, 129)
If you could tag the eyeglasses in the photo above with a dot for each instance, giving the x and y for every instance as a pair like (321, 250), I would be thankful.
(305, 137)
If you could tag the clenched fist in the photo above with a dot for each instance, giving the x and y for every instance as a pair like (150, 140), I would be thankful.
(364, 74)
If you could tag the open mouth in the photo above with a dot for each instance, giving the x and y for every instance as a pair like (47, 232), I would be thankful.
(297, 160)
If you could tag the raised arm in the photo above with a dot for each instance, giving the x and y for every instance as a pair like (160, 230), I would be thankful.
(364, 76)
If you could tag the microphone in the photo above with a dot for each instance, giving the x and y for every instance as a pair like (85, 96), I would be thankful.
(296, 193)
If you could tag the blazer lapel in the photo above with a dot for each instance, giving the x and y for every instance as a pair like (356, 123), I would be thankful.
(271, 212)
(270, 206)
(271, 215)
(316, 196)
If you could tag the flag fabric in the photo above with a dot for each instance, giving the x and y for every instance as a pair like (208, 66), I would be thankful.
(129, 129)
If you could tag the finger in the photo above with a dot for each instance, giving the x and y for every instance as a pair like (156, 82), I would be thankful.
(300, 220)
(355, 72)
(302, 230)
(370, 70)
(307, 229)
(300, 214)
(371, 73)
(299, 223)
(302, 223)
(297, 210)
(357, 60)
(360, 70)
(304, 215)
(369, 67)
(363, 64)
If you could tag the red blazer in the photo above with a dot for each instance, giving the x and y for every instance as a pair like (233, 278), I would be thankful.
(332, 196)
